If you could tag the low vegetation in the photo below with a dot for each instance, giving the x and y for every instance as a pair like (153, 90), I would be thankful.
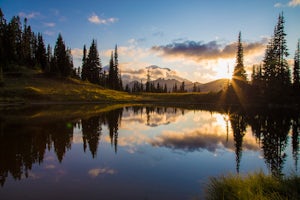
(253, 186)
(31, 86)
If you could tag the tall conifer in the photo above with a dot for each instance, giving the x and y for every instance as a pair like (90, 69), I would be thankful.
(239, 71)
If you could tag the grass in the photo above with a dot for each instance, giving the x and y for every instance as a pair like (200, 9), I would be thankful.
(35, 87)
(253, 186)
(31, 86)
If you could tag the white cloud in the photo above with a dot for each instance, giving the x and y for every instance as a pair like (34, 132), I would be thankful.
(97, 171)
(49, 24)
(294, 3)
(95, 19)
(49, 33)
(29, 15)
(278, 5)
(77, 53)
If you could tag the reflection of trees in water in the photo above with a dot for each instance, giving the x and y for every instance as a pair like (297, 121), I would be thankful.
(238, 124)
(271, 129)
(295, 138)
(22, 145)
(113, 119)
(24, 142)
(91, 131)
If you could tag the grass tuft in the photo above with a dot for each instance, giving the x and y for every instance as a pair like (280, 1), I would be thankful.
(253, 186)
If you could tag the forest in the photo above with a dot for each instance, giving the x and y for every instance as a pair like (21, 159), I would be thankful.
(273, 81)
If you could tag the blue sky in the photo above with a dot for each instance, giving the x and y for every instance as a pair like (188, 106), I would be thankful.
(193, 38)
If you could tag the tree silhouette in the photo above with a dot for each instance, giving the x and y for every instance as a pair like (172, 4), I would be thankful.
(91, 132)
(296, 71)
(238, 124)
(276, 73)
(93, 64)
(62, 65)
(239, 72)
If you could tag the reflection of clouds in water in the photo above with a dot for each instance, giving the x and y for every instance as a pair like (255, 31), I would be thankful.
(98, 171)
(193, 140)
(50, 166)
(155, 119)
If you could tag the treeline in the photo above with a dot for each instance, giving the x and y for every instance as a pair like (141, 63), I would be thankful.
(272, 81)
(21, 47)
(151, 87)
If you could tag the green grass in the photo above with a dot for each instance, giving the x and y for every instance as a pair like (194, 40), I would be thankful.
(31, 86)
(253, 186)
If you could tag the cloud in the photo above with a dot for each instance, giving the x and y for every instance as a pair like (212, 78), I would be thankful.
(49, 33)
(49, 24)
(278, 5)
(195, 140)
(98, 171)
(29, 15)
(77, 53)
(95, 19)
(199, 51)
(294, 3)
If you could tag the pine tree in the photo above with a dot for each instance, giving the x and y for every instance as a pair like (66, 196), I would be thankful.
(41, 57)
(26, 56)
(93, 64)
(111, 73)
(3, 57)
(114, 77)
(276, 73)
(296, 71)
(239, 72)
(13, 41)
(48, 58)
(84, 73)
(62, 65)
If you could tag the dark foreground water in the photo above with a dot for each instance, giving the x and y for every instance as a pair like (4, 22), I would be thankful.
(92, 152)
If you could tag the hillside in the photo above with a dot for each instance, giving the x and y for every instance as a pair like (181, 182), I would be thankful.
(33, 86)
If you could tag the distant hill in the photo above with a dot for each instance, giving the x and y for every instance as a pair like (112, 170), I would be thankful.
(213, 86)
(169, 77)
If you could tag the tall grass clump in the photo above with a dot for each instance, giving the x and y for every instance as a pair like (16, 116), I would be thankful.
(253, 186)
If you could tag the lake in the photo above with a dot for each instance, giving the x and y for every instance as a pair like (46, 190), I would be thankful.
(138, 152)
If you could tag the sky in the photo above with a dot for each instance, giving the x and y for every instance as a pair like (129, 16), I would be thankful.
(196, 39)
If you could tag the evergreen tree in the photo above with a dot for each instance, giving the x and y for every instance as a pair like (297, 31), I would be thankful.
(111, 73)
(165, 88)
(114, 77)
(239, 72)
(26, 56)
(194, 88)
(84, 73)
(3, 57)
(41, 57)
(276, 73)
(61, 59)
(296, 71)
(13, 41)
(48, 58)
(93, 64)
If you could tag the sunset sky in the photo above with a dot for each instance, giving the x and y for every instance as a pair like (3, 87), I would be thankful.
(193, 38)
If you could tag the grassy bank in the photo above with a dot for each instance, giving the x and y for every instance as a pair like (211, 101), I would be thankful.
(253, 186)
(33, 87)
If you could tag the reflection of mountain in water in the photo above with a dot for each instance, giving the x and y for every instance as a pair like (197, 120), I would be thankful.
(24, 141)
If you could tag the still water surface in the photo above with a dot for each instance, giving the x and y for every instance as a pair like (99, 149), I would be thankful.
(137, 152)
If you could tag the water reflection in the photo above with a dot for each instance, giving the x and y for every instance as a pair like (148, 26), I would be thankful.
(26, 137)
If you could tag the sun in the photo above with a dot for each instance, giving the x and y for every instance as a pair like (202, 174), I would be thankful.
(224, 68)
